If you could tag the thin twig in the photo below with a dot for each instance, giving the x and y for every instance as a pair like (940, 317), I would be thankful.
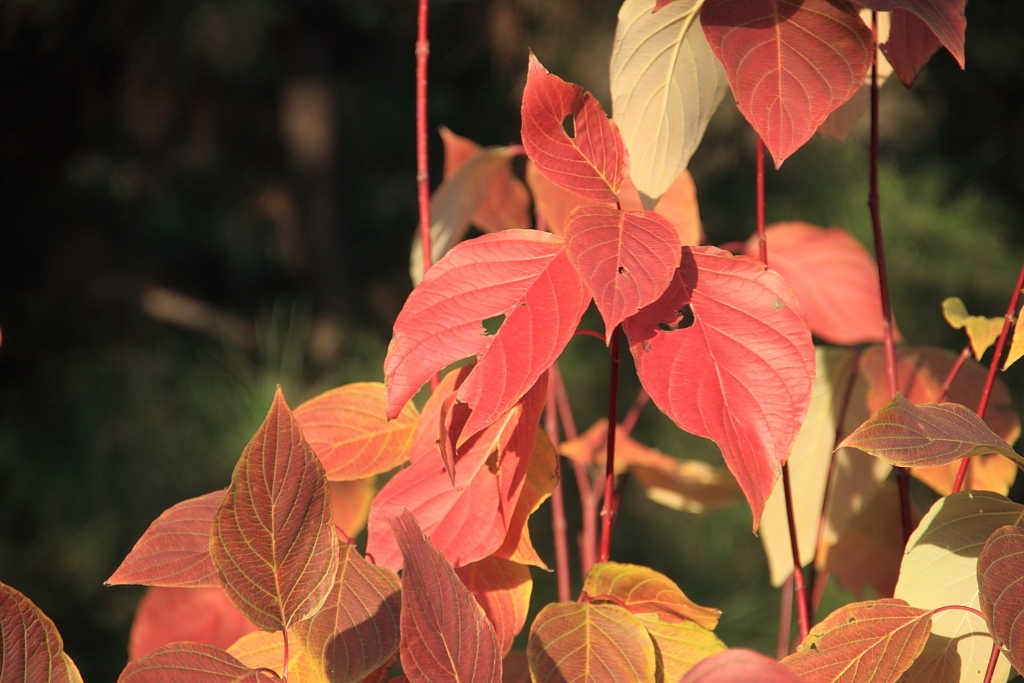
(609, 509)
(558, 524)
(965, 353)
(641, 401)
(422, 160)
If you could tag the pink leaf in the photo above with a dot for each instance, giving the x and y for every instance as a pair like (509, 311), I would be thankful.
(445, 635)
(192, 663)
(626, 260)
(945, 18)
(523, 275)
(790, 62)
(910, 45)
(175, 550)
(591, 165)
(661, 3)
(727, 354)
(735, 665)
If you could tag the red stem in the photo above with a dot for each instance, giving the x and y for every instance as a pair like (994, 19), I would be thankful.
(641, 401)
(953, 608)
(284, 667)
(609, 509)
(762, 240)
(993, 366)
(588, 501)
(589, 333)
(558, 525)
(422, 167)
(965, 353)
(785, 619)
(993, 659)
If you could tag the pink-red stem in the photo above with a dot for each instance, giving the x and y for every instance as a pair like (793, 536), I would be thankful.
(993, 659)
(641, 401)
(609, 509)
(587, 539)
(965, 353)
(785, 619)
(558, 524)
(762, 239)
(422, 160)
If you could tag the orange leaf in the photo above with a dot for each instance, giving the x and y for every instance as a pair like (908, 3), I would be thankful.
(350, 505)
(265, 650)
(541, 478)
(642, 590)
(502, 589)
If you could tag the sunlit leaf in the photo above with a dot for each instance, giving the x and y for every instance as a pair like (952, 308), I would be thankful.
(591, 165)
(982, 331)
(736, 665)
(348, 430)
(727, 354)
(1016, 346)
(175, 550)
(940, 568)
(643, 590)
(350, 505)
(445, 635)
(678, 645)
(541, 478)
(502, 589)
(790, 63)
(910, 45)
(192, 663)
(588, 643)
(263, 649)
(31, 649)
(865, 641)
(945, 18)
(1000, 570)
(665, 85)
(272, 541)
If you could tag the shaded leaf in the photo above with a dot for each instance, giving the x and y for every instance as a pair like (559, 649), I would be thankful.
(350, 505)
(1000, 572)
(982, 331)
(192, 663)
(523, 275)
(726, 353)
(790, 63)
(735, 665)
(665, 85)
(910, 45)
(945, 18)
(832, 275)
(515, 668)
(679, 206)
(273, 542)
(31, 649)
(170, 615)
(589, 643)
(445, 635)
(591, 165)
(175, 549)
(357, 630)
(348, 430)
(678, 645)
(626, 260)
(265, 650)
(541, 479)
(940, 568)
(427, 434)
(642, 590)
(502, 589)
(552, 203)
(874, 641)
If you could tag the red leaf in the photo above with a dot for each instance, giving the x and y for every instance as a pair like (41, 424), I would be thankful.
(626, 260)
(945, 18)
(834, 277)
(273, 542)
(727, 354)
(347, 429)
(910, 45)
(171, 615)
(591, 165)
(468, 521)
(661, 3)
(175, 550)
(445, 635)
(31, 649)
(502, 589)
(1000, 568)
(737, 664)
(523, 275)
(192, 663)
(790, 62)
(541, 479)
(427, 435)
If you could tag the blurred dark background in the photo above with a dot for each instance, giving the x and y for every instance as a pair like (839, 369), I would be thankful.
(200, 199)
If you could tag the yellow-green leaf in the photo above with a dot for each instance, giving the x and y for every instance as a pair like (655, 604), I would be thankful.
(643, 590)
(1016, 346)
(678, 646)
(981, 331)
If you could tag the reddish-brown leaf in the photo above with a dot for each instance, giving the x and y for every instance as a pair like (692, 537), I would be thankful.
(175, 550)
(592, 164)
(589, 643)
(192, 663)
(790, 62)
(834, 277)
(739, 666)
(445, 635)
(273, 542)
(357, 631)
(945, 18)
(926, 435)
(541, 478)
(1001, 586)
(348, 430)
(873, 641)
(502, 589)
(171, 615)
(642, 590)
(910, 45)
(470, 520)
(626, 260)
(523, 275)
(727, 354)
(31, 649)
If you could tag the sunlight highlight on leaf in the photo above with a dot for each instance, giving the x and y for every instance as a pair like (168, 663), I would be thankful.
(642, 590)
(266, 650)
(982, 331)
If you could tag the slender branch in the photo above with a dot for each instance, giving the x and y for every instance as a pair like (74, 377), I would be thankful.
(589, 333)
(993, 659)
(785, 619)
(961, 608)
(965, 353)
(558, 525)
(993, 367)
(422, 160)
(641, 401)
(762, 240)
(609, 509)
(587, 539)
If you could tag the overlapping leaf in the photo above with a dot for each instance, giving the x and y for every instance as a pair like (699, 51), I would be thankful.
(642, 590)
(502, 589)
(594, 163)
(1001, 588)
(910, 45)
(445, 635)
(192, 663)
(738, 664)
(170, 615)
(31, 649)
(790, 63)
(263, 649)
(523, 275)
(348, 430)
(350, 505)
(982, 331)
(665, 84)
(940, 568)
(589, 643)
(272, 539)
(626, 260)
(727, 354)
(868, 553)
(945, 18)
(541, 479)
(678, 646)
(175, 549)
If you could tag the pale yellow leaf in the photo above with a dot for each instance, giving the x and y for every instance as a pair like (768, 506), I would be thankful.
(981, 331)
(665, 85)
(678, 646)
(954, 311)
(1017, 346)
(264, 649)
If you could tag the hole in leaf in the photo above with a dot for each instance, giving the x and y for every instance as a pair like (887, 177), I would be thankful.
(622, 270)
(569, 126)
(851, 620)
(493, 324)
(814, 646)
(684, 320)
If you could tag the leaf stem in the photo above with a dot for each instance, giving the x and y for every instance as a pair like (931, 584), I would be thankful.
(284, 667)
(422, 167)
(962, 608)
(785, 619)
(993, 366)
(641, 401)
(609, 509)
(992, 661)
(762, 240)
(558, 525)
(965, 353)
